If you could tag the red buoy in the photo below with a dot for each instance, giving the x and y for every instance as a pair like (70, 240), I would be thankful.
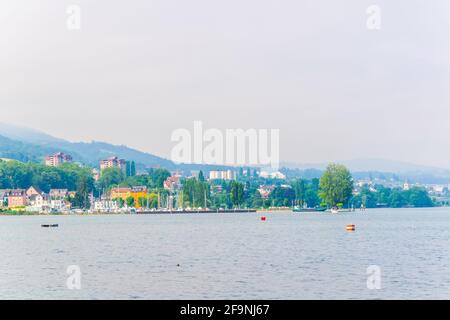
(263, 218)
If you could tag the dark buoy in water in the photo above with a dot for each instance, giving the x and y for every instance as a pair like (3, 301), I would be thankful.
(178, 265)
(49, 225)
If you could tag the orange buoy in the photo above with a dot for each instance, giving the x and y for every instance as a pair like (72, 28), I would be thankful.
(350, 227)
(263, 218)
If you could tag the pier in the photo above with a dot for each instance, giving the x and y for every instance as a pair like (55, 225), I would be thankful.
(196, 211)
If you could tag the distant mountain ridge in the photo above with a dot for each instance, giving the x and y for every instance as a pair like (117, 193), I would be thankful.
(25, 144)
(373, 164)
(365, 166)
(25, 134)
(22, 151)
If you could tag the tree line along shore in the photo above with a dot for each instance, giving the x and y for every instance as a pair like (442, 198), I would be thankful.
(158, 188)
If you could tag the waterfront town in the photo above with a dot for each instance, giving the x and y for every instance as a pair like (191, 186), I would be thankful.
(116, 186)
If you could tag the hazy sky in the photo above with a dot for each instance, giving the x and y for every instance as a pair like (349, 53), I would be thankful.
(137, 70)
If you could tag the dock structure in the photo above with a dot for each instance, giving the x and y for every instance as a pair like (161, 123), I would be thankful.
(197, 211)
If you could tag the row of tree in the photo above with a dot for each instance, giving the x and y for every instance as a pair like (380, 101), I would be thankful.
(150, 201)
(381, 196)
(18, 175)
(334, 188)
(113, 177)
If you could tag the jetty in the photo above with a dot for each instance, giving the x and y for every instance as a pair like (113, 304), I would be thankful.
(193, 211)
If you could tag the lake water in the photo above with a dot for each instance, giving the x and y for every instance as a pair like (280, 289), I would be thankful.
(228, 256)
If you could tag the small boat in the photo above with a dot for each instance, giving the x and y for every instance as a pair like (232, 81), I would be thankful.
(334, 210)
(49, 225)
(297, 209)
(316, 209)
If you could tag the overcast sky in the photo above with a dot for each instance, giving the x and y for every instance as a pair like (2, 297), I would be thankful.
(137, 70)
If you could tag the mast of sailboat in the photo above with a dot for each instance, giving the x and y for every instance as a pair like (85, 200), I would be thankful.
(159, 200)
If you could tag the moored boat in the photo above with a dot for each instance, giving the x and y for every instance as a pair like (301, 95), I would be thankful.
(316, 209)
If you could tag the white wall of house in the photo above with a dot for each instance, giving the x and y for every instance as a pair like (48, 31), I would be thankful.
(106, 205)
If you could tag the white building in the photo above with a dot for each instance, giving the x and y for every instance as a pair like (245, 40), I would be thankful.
(439, 189)
(173, 183)
(106, 206)
(272, 175)
(223, 175)
(58, 193)
(3, 198)
(38, 202)
(59, 205)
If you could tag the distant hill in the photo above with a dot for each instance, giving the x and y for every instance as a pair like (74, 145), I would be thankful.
(401, 170)
(22, 151)
(25, 134)
(373, 164)
(25, 144)
(93, 152)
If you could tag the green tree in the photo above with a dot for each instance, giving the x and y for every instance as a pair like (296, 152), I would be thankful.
(81, 199)
(257, 201)
(397, 199)
(221, 200)
(312, 198)
(110, 177)
(383, 194)
(153, 200)
(157, 177)
(237, 193)
(336, 185)
(299, 187)
(142, 202)
(195, 193)
(127, 168)
(133, 169)
(130, 201)
(120, 202)
(14, 174)
(282, 196)
(419, 197)
(201, 177)
(366, 198)
(130, 169)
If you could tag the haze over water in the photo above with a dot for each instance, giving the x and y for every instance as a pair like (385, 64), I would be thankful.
(228, 256)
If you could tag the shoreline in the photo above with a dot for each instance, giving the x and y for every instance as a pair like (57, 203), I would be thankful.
(192, 212)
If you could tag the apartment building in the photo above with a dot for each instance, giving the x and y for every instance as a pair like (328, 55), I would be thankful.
(57, 159)
(113, 162)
